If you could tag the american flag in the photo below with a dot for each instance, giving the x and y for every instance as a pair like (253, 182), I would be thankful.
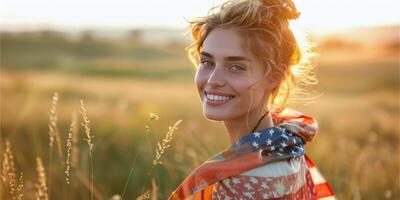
(267, 164)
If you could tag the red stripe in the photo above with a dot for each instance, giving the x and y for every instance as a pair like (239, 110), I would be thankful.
(323, 190)
(309, 162)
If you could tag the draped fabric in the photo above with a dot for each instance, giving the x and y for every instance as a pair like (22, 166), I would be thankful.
(267, 164)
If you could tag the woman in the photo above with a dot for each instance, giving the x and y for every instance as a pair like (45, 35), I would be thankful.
(248, 65)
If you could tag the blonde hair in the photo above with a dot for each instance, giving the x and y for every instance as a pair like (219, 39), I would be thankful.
(264, 24)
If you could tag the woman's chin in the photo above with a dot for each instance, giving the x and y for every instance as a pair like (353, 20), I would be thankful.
(216, 116)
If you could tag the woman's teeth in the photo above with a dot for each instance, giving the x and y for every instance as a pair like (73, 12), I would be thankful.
(218, 98)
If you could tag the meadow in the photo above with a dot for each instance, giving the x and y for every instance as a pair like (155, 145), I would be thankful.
(121, 83)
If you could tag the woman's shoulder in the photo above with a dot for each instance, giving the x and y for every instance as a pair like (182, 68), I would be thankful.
(273, 180)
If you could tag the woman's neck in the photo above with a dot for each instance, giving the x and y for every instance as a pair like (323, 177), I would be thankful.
(238, 127)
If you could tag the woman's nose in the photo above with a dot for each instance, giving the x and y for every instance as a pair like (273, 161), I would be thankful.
(217, 77)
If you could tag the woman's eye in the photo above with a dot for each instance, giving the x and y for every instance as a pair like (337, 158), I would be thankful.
(206, 63)
(236, 68)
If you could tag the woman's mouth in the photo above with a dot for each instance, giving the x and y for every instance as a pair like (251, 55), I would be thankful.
(215, 100)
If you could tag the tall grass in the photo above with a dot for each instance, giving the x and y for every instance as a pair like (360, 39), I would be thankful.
(357, 113)
(14, 185)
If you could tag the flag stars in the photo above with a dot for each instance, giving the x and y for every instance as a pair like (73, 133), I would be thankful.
(283, 144)
(271, 131)
(263, 185)
(257, 134)
(255, 144)
(227, 197)
(235, 181)
(248, 186)
(272, 148)
(268, 141)
(279, 188)
(253, 180)
(284, 136)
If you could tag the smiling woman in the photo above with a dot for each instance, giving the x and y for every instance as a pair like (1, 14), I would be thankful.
(245, 56)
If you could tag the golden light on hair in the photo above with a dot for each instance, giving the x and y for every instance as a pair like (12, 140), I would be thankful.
(271, 34)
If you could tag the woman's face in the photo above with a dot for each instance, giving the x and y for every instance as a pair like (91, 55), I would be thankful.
(230, 81)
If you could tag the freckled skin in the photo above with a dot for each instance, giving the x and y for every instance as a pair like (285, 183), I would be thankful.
(251, 88)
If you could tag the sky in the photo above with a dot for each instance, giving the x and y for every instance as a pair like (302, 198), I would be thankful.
(318, 15)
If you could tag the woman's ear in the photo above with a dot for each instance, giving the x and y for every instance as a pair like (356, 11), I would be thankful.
(282, 73)
(277, 76)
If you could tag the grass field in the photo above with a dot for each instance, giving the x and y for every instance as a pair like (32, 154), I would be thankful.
(357, 148)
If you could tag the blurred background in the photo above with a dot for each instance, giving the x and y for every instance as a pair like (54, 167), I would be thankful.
(126, 59)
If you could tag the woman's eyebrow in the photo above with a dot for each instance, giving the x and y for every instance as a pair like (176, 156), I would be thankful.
(203, 53)
(229, 58)
(236, 58)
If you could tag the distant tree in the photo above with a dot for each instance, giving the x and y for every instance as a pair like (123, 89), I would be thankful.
(338, 43)
(392, 46)
(51, 34)
(135, 36)
(86, 36)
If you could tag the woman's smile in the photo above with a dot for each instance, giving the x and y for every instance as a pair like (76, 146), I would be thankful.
(214, 99)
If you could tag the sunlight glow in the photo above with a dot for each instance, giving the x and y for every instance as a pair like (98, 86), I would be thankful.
(322, 15)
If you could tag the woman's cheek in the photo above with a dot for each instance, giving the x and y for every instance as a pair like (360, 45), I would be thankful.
(200, 80)
(239, 85)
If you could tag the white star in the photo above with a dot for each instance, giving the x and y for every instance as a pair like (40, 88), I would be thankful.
(226, 182)
(257, 134)
(248, 186)
(271, 131)
(269, 142)
(253, 180)
(227, 198)
(283, 135)
(255, 144)
(263, 185)
(235, 181)
(283, 144)
(249, 195)
(280, 188)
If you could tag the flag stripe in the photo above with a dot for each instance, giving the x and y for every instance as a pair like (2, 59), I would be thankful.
(316, 176)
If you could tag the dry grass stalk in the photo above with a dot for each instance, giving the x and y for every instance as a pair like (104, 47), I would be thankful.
(69, 148)
(41, 187)
(153, 189)
(153, 116)
(165, 143)
(8, 172)
(86, 125)
(88, 139)
(147, 128)
(75, 149)
(53, 130)
(144, 196)
(116, 197)
(20, 188)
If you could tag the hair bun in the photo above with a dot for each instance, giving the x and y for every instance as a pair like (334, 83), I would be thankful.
(290, 11)
(285, 8)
